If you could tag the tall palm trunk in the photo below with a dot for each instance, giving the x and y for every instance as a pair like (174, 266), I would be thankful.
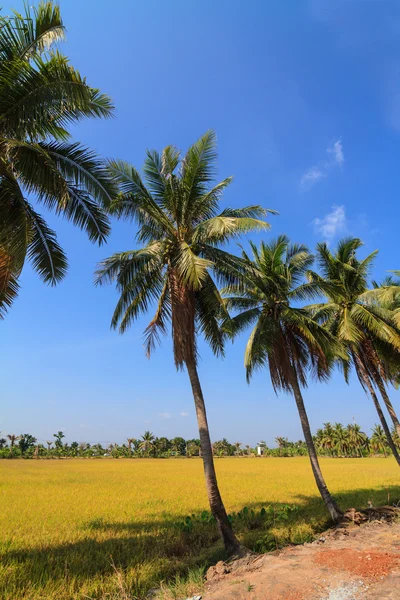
(389, 406)
(366, 384)
(231, 542)
(330, 502)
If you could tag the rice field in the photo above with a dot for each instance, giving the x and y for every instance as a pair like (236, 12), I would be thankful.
(74, 529)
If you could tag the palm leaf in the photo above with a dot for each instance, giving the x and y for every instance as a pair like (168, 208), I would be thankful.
(47, 257)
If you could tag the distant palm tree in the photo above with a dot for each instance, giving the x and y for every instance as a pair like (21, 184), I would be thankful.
(147, 441)
(281, 441)
(13, 438)
(237, 446)
(341, 439)
(378, 440)
(358, 440)
(284, 338)
(363, 328)
(130, 442)
(328, 441)
(41, 95)
(49, 444)
(179, 232)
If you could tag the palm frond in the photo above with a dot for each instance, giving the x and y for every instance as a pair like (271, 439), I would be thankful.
(222, 228)
(191, 268)
(23, 35)
(158, 325)
(44, 252)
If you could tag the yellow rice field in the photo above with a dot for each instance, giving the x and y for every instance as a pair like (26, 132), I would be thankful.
(74, 529)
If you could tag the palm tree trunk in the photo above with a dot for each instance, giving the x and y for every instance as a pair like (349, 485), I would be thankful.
(384, 423)
(217, 507)
(366, 383)
(389, 406)
(330, 502)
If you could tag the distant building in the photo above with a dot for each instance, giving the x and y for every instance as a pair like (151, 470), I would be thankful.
(261, 448)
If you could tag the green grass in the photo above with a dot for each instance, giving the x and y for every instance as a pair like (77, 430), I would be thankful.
(98, 529)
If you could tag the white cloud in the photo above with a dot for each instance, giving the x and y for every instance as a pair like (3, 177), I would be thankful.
(322, 170)
(165, 415)
(184, 414)
(337, 151)
(332, 223)
(311, 176)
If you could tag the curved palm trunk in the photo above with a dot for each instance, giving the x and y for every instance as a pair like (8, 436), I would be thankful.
(389, 406)
(366, 384)
(217, 507)
(330, 502)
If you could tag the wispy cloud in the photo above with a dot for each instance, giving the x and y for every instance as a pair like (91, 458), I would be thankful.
(318, 172)
(165, 415)
(337, 151)
(184, 414)
(311, 177)
(332, 223)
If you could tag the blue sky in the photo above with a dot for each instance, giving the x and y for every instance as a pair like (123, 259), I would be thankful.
(305, 99)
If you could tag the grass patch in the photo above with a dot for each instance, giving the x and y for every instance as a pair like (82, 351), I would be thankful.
(114, 529)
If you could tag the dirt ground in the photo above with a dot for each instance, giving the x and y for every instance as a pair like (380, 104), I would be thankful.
(353, 563)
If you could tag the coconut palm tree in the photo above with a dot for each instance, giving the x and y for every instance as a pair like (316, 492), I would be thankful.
(180, 234)
(146, 442)
(358, 440)
(319, 440)
(341, 439)
(328, 438)
(378, 440)
(237, 448)
(130, 442)
(395, 437)
(281, 441)
(41, 95)
(13, 438)
(386, 295)
(363, 328)
(284, 338)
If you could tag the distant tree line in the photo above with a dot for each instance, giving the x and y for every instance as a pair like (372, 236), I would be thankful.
(335, 441)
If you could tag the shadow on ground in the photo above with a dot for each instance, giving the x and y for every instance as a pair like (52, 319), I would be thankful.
(145, 552)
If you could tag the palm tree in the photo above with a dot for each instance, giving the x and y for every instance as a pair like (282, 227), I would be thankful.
(130, 442)
(378, 440)
(49, 444)
(41, 94)
(237, 448)
(284, 338)
(386, 295)
(341, 439)
(395, 437)
(319, 440)
(13, 438)
(146, 442)
(281, 441)
(362, 328)
(328, 438)
(358, 440)
(180, 232)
